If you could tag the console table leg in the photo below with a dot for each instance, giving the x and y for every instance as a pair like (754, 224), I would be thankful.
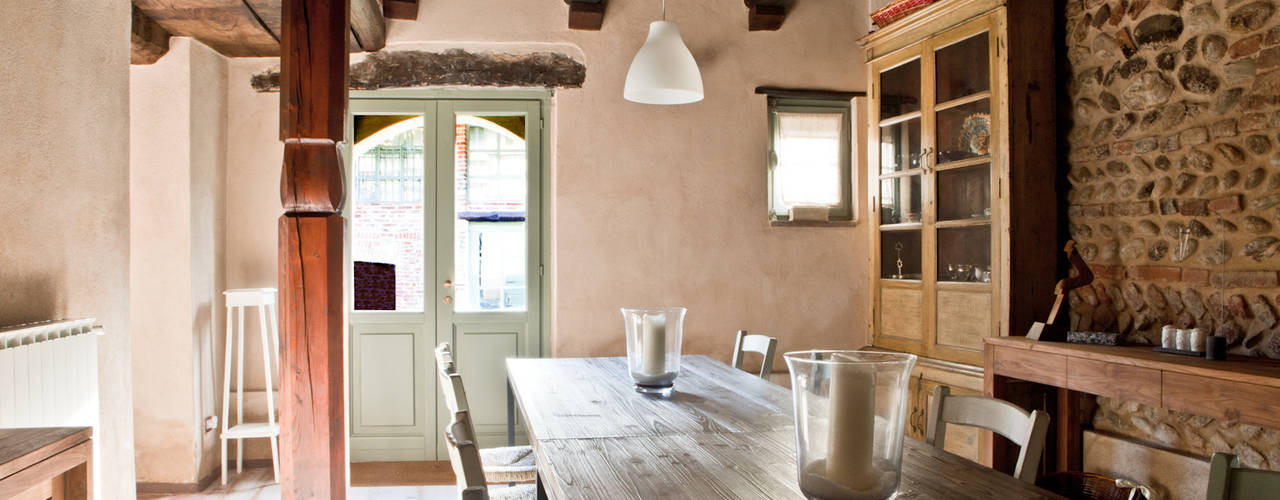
(1067, 425)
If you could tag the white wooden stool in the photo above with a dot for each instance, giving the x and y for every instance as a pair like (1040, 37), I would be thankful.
(238, 300)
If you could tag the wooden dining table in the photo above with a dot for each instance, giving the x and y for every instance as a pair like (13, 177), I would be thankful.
(723, 433)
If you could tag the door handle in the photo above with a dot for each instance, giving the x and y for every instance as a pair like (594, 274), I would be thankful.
(447, 284)
(448, 299)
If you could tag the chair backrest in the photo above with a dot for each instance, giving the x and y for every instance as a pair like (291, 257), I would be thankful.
(761, 344)
(455, 397)
(1001, 417)
(1227, 481)
(464, 455)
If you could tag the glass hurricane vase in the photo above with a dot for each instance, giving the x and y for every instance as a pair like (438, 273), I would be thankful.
(850, 407)
(653, 347)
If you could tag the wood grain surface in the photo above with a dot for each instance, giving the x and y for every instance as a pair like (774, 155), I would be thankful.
(1238, 368)
(723, 434)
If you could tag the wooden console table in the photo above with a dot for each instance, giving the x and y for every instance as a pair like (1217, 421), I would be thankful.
(43, 463)
(1240, 389)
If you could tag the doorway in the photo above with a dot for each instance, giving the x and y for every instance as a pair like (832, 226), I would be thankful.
(444, 244)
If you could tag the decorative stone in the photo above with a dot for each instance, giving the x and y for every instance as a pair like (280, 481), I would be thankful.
(1148, 228)
(1225, 225)
(1249, 457)
(1131, 209)
(1170, 144)
(1110, 103)
(1263, 311)
(1118, 13)
(1158, 250)
(1106, 46)
(1193, 207)
(1149, 91)
(1126, 190)
(1174, 299)
(1145, 190)
(1173, 229)
(1273, 37)
(1127, 47)
(1239, 72)
(1131, 67)
(1223, 128)
(1203, 17)
(1190, 48)
(1102, 129)
(1137, 7)
(1255, 178)
(1198, 79)
(1265, 202)
(1124, 123)
(1101, 16)
(1214, 48)
(1089, 252)
(1261, 249)
(1163, 163)
(1194, 302)
(1269, 58)
(1229, 330)
(1250, 17)
(1168, 206)
(1164, 186)
(1109, 250)
(1273, 183)
(1238, 307)
(1107, 193)
(1194, 136)
(1250, 122)
(1166, 435)
(1231, 152)
(1133, 297)
(413, 68)
(1244, 46)
(1166, 60)
(1106, 231)
(1256, 225)
(1171, 115)
(1197, 160)
(1272, 350)
(1207, 185)
(1258, 144)
(1216, 253)
(1085, 109)
(1198, 229)
(1230, 179)
(1124, 230)
(1133, 250)
(1158, 31)
(1267, 85)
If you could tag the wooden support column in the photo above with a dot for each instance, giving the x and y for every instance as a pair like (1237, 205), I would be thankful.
(313, 100)
(1067, 432)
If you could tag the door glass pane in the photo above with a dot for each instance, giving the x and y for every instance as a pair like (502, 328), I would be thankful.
(965, 193)
(490, 199)
(387, 223)
(900, 200)
(900, 146)
(964, 131)
(900, 90)
(900, 254)
(963, 68)
(964, 254)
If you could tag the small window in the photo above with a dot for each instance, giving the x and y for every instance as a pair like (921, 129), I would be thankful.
(809, 160)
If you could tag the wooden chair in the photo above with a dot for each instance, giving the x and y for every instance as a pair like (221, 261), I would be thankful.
(761, 344)
(1001, 417)
(508, 464)
(469, 468)
(1227, 481)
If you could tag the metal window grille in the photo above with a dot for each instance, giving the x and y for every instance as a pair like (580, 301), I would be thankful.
(389, 174)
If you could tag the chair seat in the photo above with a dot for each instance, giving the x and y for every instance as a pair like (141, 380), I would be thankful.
(519, 491)
(508, 464)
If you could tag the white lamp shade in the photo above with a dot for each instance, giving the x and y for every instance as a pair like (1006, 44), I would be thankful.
(664, 71)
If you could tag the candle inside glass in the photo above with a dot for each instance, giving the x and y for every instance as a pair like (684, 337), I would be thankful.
(654, 341)
(853, 426)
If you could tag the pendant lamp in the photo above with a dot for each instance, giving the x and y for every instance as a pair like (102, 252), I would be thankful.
(664, 71)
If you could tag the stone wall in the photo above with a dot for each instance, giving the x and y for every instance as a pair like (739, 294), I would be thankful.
(1175, 188)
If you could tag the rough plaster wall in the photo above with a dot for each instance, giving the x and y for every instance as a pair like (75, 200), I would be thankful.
(178, 185)
(160, 269)
(65, 165)
(1175, 110)
(208, 249)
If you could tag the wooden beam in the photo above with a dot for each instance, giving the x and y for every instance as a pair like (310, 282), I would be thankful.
(586, 14)
(368, 25)
(400, 9)
(832, 95)
(765, 15)
(150, 41)
(313, 99)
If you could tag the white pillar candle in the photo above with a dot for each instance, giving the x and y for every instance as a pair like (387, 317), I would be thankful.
(653, 339)
(1168, 337)
(851, 434)
(1184, 340)
(1197, 339)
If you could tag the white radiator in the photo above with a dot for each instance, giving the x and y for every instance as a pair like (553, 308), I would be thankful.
(49, 374)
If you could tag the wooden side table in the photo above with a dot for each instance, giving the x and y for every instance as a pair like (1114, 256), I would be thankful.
(46, 462)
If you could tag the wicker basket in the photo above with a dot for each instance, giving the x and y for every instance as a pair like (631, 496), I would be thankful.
(1087, 486)
(897, 10)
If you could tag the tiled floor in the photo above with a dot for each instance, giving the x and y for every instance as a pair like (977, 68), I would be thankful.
(257, 484)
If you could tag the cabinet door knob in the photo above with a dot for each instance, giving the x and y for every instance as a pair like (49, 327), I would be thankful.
(447, 284)
(448, 299)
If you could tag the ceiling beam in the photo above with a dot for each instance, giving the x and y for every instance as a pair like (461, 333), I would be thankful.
(150, 41)
(367, 24)
(400, 9)
(586, 14)
(765, 15)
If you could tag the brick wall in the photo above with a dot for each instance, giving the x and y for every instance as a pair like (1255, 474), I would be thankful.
(1175, 188)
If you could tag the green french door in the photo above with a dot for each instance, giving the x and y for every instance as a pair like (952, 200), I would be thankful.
(444, 242)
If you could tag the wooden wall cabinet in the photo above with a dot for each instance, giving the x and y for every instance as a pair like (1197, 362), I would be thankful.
(962, 176)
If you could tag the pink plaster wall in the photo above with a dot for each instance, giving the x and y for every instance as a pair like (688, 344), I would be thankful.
(64, 189)
(650, 205)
